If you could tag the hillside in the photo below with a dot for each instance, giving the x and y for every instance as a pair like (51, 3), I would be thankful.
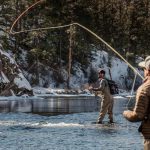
(64, 56)
(14, 79)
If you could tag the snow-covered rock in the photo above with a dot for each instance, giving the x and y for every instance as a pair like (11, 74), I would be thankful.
(12, 79)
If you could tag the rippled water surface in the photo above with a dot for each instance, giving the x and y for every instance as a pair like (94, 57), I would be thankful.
(67, 132)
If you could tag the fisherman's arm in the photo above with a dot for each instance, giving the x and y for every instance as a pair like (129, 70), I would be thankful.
(101, 86)
(140, 108)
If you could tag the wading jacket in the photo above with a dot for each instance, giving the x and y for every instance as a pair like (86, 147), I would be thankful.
(141, 110)
(103, 90)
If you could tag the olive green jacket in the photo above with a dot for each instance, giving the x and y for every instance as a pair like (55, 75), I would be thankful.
(103, 90)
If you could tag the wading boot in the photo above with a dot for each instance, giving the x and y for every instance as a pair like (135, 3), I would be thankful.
(99, 122)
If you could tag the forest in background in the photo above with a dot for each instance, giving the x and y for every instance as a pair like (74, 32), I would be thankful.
(125, 25)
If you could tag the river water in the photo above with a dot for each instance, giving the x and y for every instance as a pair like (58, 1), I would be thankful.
(20, 131)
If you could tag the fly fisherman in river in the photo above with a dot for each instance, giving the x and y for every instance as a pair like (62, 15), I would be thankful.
(106, 98)
(141, 111)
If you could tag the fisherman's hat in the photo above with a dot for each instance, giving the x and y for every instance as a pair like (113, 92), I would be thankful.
(146, 63)
(101, 70)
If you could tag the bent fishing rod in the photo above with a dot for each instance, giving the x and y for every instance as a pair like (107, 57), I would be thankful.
(64, 26)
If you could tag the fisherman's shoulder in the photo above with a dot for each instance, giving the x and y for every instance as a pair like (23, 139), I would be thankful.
(144, 89)
(104, 80)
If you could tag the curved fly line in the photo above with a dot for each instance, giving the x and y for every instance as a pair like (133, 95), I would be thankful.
(64, 26)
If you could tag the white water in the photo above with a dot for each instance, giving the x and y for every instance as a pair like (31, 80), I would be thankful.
(20, 131)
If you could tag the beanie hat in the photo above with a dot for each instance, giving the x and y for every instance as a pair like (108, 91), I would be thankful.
(146, 63)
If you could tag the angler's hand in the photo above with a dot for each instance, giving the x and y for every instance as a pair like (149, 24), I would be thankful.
(125, 113)
(90, 88)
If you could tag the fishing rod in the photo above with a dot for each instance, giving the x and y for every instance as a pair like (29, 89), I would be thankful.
(14, 23)
(64, 26)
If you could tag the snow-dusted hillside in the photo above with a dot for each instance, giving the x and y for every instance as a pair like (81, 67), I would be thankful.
(115, 68)
(117, 71)
(11, 76)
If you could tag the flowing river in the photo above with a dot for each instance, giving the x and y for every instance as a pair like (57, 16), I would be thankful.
(21, 131)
